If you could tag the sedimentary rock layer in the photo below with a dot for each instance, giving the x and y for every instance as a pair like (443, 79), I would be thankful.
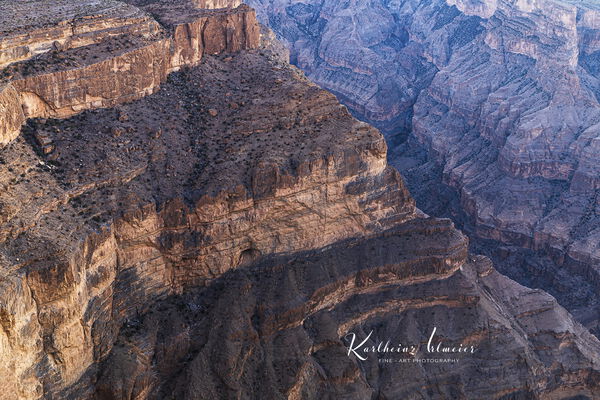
(11, 114)
(242, 169)
(133, 205)
(212, 4)
(282, 325)
(32, 27)
(238, 188)
(122, 59)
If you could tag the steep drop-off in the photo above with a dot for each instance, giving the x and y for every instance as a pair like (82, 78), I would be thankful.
(113, 58)
(499, 102)
(219, 235)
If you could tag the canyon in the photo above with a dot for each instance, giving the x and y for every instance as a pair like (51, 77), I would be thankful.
(491, 112)
(184, 215)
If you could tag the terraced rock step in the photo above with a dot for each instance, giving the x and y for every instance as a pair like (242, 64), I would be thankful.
(34, 27)
(159, 196)
(500, 102)
(281, 327)
(215, 236)
(124, 59)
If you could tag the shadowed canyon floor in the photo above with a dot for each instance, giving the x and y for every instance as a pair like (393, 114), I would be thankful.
(215, 229)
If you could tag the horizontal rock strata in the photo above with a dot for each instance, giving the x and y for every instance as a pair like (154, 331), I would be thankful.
(217, 236)
(133, 205)
(31, 27)
(285, 336)
(124, 59)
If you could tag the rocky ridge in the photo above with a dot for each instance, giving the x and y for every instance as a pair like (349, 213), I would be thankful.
(171, 246)
(162, 208)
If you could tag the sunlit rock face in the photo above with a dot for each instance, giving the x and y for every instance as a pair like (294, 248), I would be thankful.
(105, 54)
(219, 239)
(108, 212)
(503, 97)
(184, 215)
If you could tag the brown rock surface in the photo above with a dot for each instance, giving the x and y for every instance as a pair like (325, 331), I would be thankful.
(136, 241)
(11, 114)
(32, 27)
(158, 215)
(112, 66)
(503, 98)
(280, 327)
(212, 4)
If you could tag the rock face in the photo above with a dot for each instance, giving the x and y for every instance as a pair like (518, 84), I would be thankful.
(218, 236)
(503, 97)
(212, 4)
(11, 113)
(159, 196)
(117, 54)
(30, 27)
(281, 338)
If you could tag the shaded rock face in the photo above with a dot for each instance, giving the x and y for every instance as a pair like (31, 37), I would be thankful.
(218, 236)
(278, 327)
(503, 98)
(160, 196)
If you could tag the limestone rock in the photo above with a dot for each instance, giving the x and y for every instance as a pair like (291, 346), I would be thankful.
(11, 114)
(109, 66)
(135, 226)
(285, 336)
(181, 264)
(31, 27)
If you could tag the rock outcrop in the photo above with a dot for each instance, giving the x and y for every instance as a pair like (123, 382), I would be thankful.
(218, 236)
(30, 28)
(106, 213)
(503, 96)
(106, 55)
(281, 338)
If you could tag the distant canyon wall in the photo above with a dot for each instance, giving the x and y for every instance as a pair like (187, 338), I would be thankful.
(503, 96)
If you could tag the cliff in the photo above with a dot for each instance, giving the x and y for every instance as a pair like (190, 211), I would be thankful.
(118, 54)
(281, 338)
(490, 105)
(217, 236)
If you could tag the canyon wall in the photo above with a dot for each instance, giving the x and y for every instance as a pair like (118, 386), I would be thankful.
(27, 31)
(167, 214)
(503, 98)
(93, 58)
(281, 339)
(215, 233)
